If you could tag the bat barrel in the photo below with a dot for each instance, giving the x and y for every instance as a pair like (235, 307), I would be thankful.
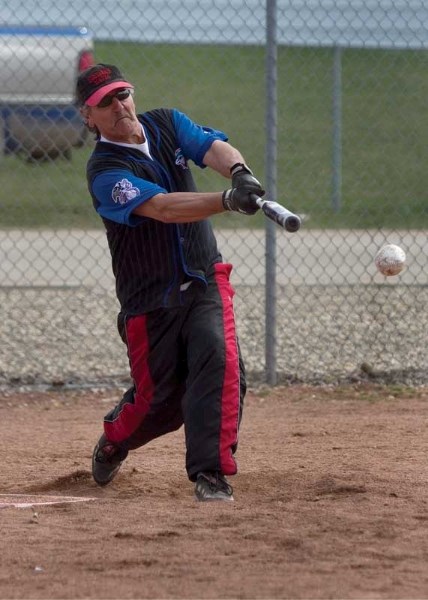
(281, 215)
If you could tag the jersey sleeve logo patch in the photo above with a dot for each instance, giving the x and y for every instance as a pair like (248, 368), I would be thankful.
(124, 192)
(180, 159)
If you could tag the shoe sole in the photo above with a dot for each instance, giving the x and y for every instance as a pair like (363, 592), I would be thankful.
(224, 499)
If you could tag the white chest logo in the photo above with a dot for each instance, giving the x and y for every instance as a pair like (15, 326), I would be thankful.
(124, 192)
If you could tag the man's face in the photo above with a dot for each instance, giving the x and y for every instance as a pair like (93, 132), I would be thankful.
(115, 116)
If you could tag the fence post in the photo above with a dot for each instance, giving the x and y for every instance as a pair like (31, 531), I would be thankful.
(271, 166)
(337, 129)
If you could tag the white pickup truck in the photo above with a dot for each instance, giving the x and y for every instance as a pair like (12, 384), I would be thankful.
(38, 70)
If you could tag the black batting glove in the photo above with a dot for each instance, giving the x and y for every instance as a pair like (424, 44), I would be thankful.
(241, 200)
(242, 176)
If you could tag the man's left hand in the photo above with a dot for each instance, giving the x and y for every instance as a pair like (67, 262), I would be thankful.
(242, 177)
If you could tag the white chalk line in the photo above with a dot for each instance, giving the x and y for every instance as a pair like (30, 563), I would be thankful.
(17, 500)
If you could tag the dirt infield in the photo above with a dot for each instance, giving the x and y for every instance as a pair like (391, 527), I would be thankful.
(330, 502)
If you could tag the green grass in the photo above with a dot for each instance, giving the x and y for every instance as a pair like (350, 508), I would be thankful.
(385, 126)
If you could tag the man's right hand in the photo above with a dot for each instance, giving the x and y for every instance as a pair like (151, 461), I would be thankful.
(241, 199)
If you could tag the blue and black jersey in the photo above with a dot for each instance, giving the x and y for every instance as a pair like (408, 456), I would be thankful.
(152, 260)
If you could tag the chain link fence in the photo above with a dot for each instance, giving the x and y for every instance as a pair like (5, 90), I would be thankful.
(333, 118)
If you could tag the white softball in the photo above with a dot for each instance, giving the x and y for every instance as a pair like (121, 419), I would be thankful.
(390, 260)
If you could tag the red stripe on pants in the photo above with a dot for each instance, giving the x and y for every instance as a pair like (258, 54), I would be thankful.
(230, 401)
(132, 413)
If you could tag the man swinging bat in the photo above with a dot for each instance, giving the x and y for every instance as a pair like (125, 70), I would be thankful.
(176, 301)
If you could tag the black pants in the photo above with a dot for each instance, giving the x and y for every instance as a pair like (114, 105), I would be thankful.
(187, 368)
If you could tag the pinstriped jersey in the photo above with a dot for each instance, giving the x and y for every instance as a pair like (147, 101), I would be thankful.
(153, 262)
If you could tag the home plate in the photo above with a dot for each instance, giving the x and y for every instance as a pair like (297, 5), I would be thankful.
(26, 500)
